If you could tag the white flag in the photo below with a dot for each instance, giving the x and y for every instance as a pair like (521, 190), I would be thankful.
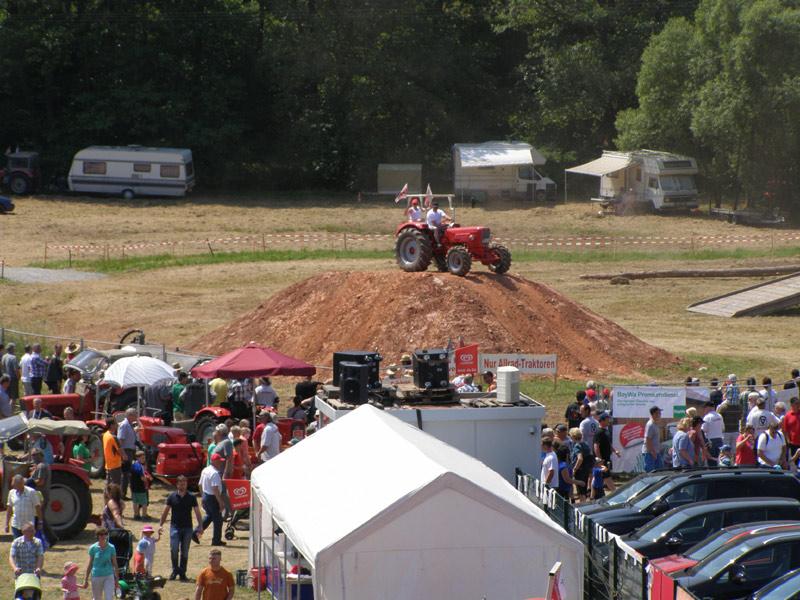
(428, 197)
(403, 193)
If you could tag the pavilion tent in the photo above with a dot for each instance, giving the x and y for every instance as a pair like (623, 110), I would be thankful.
(384, 510)
(252, 360)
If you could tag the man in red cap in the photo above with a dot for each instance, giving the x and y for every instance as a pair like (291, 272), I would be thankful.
(211, 486)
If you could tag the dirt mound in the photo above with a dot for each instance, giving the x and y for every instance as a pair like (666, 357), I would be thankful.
(398, 312)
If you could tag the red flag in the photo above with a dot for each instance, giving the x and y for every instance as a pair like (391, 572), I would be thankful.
(467, 359)
(428, 197)
(403, 193)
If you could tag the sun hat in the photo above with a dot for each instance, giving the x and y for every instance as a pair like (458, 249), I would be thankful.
(70, 567)
(147, 529)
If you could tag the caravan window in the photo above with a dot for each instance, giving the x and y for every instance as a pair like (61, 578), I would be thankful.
(527, 172)
(141, 167)
(677, 183)
(94, 168)
(170, 171)
(653, 183)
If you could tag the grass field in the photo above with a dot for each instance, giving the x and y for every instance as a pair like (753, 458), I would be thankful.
(176, 291)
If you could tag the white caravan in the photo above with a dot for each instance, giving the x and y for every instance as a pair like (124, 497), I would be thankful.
(131, 171)
(501, 170)
(659, 180)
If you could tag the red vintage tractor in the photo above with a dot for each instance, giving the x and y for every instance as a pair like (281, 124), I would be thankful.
(416, 248)
(21, 173)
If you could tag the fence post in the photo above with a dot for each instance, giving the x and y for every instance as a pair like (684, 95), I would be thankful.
(45, 254)
(70, 257)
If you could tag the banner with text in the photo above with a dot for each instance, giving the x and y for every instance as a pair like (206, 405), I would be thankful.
(540, 364)
(634, 402)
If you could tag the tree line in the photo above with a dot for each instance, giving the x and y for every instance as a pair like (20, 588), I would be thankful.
(291, 94)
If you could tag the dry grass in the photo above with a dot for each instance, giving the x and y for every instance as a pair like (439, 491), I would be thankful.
(179, 304)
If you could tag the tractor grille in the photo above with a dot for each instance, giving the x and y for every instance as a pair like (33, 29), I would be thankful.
(486, 236)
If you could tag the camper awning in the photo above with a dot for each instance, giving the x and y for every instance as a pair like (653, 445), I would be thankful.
(603, 166)
(498, 154)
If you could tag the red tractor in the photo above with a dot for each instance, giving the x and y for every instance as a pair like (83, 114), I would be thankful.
(21, 173)
(415, 248)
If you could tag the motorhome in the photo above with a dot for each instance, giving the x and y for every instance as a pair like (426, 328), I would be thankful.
(648, 178)
(500, 170)
(131, 171)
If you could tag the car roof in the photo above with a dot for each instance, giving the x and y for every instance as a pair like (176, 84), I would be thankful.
(782, 580)
(725, 503)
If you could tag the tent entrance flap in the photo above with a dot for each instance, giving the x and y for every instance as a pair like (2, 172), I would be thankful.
(602, 166)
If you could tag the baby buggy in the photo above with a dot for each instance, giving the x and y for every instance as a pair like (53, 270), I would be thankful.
(28, 586)
(140, 587)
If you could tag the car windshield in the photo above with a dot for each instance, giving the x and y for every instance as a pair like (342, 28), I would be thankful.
(87, 361)
(677, 183)
(650, 495)
(785, 588)
(716, 561)
(660, 526)
(702, 549)
(629, 490)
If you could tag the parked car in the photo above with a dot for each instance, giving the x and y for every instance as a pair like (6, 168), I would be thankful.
(681, 528)
(625, 492)
(6, 205)
(677, 562)
(743, 565)
(783, 588)
(687, 487)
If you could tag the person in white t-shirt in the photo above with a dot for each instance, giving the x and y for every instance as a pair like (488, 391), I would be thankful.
(436, 220)
(414, 212)
(266, 396)
(760, 418)
(713, 427)
(549, 474)
(771, 448)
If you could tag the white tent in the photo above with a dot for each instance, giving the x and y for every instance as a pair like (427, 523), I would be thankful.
(383, 510)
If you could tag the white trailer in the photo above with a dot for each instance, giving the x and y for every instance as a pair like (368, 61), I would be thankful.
(500, 170)
(643, 178)
(131, 171)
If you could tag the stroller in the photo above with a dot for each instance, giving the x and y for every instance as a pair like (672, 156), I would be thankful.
(141, 587)
(122, 540)
(27, 587)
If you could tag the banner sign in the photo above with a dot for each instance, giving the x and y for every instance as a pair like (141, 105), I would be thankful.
(466, 359)
(539, 364)
(634, 402)
(238, 492)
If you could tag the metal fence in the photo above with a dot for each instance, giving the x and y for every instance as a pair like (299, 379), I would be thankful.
(611, 570)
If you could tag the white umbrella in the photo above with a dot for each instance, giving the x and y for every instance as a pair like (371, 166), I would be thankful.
(138, 371)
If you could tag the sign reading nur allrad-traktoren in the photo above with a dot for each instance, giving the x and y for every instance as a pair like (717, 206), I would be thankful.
(539, 364)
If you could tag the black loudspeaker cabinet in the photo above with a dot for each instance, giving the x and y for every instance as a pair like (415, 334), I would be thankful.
(371, 359)
(431, 368)
(353, 383)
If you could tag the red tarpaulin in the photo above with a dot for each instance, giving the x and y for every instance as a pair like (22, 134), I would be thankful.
(252, 361)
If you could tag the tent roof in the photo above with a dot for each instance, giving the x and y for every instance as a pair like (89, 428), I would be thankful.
(252, 360)
(365, 467)
(603, 165)
(496, 154)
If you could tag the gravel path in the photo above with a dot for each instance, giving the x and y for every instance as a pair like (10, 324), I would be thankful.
(37, 275)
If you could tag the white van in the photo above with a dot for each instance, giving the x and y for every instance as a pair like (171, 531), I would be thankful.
(131, 171)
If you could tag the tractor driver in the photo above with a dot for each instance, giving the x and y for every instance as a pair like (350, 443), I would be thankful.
(434, 220)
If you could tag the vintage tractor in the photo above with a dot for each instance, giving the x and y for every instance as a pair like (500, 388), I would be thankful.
(416, 248)
(70, 500)
(21, 173)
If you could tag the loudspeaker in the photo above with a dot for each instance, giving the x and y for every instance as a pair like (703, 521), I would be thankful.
(431, 368)
(353, 384)
(371, 359)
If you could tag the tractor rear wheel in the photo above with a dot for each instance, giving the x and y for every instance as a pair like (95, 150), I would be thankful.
(95, 446)
(459, 261)
(204, 430)
(19, 184)
(441, 263)
(70, 504)
(413, 250)
(503, 263)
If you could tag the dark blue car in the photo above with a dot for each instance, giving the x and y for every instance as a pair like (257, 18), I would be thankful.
(6, 205)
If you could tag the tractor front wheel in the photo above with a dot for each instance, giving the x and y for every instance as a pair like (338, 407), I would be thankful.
(413, 250)
(459, 261)
(503, 262)
(19, 184)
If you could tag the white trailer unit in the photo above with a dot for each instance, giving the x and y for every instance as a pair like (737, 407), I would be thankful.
(500, 170)
(131, 171)
(652, 179)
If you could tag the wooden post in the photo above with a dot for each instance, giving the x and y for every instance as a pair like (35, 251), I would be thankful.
(70, 257)
(772, 253)
(123, 253)
(2, 271)
(263, 243)
(615, 248)
(210, 249)
(45, 254)
(345, 242)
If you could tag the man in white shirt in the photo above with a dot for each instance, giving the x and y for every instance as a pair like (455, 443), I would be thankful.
(270, 440)
(771, 447)
(549, 474)
(589, 425)
(211, 485)
(25, 368)
(266, 396)
(713, 427)
(760, 418)
(23, 505)
(434, 220)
